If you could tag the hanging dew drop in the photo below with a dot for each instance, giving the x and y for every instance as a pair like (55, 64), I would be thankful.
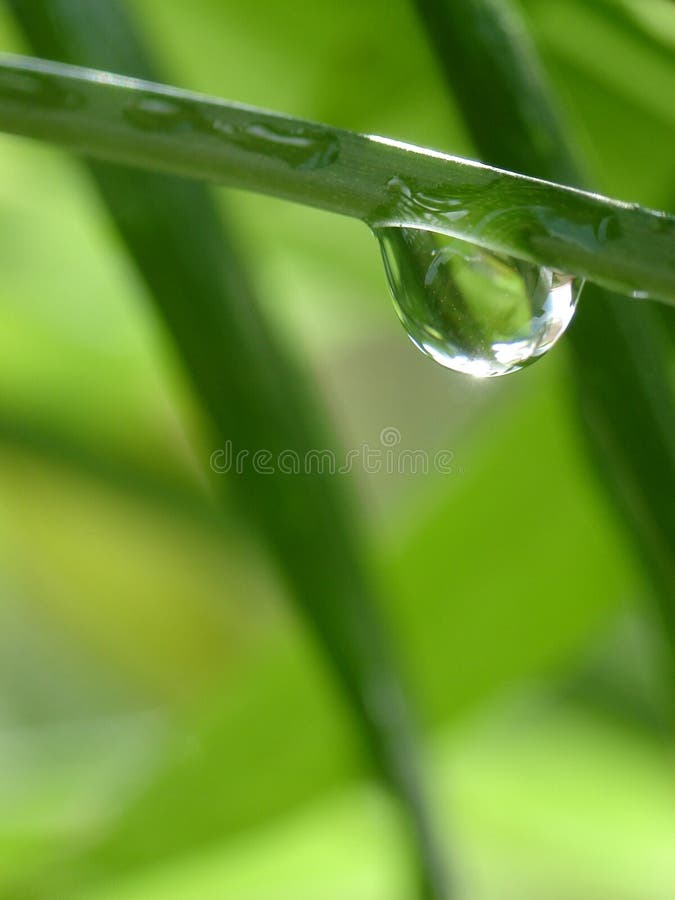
(472, 310)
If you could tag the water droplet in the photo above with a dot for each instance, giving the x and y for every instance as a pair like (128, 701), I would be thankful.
(300, 145)
(153, 113)
(472, 310)
(39, 90)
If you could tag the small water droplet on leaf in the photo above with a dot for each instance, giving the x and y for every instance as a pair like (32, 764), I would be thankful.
(153, 113)
(300, 145)
(39, 90)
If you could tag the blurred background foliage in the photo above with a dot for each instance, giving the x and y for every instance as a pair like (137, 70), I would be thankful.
(158, 698)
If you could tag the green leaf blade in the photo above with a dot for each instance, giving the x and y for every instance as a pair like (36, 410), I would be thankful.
(257, 399)
(382, 181)
(622, 355)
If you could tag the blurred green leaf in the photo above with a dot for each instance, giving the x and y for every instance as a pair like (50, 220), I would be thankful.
(646, 76)
(256, 398)
(536, 568)
(621, 352)
(545, 803)
(264, 755)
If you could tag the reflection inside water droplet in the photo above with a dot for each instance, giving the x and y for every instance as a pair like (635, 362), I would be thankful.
(472, 310)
